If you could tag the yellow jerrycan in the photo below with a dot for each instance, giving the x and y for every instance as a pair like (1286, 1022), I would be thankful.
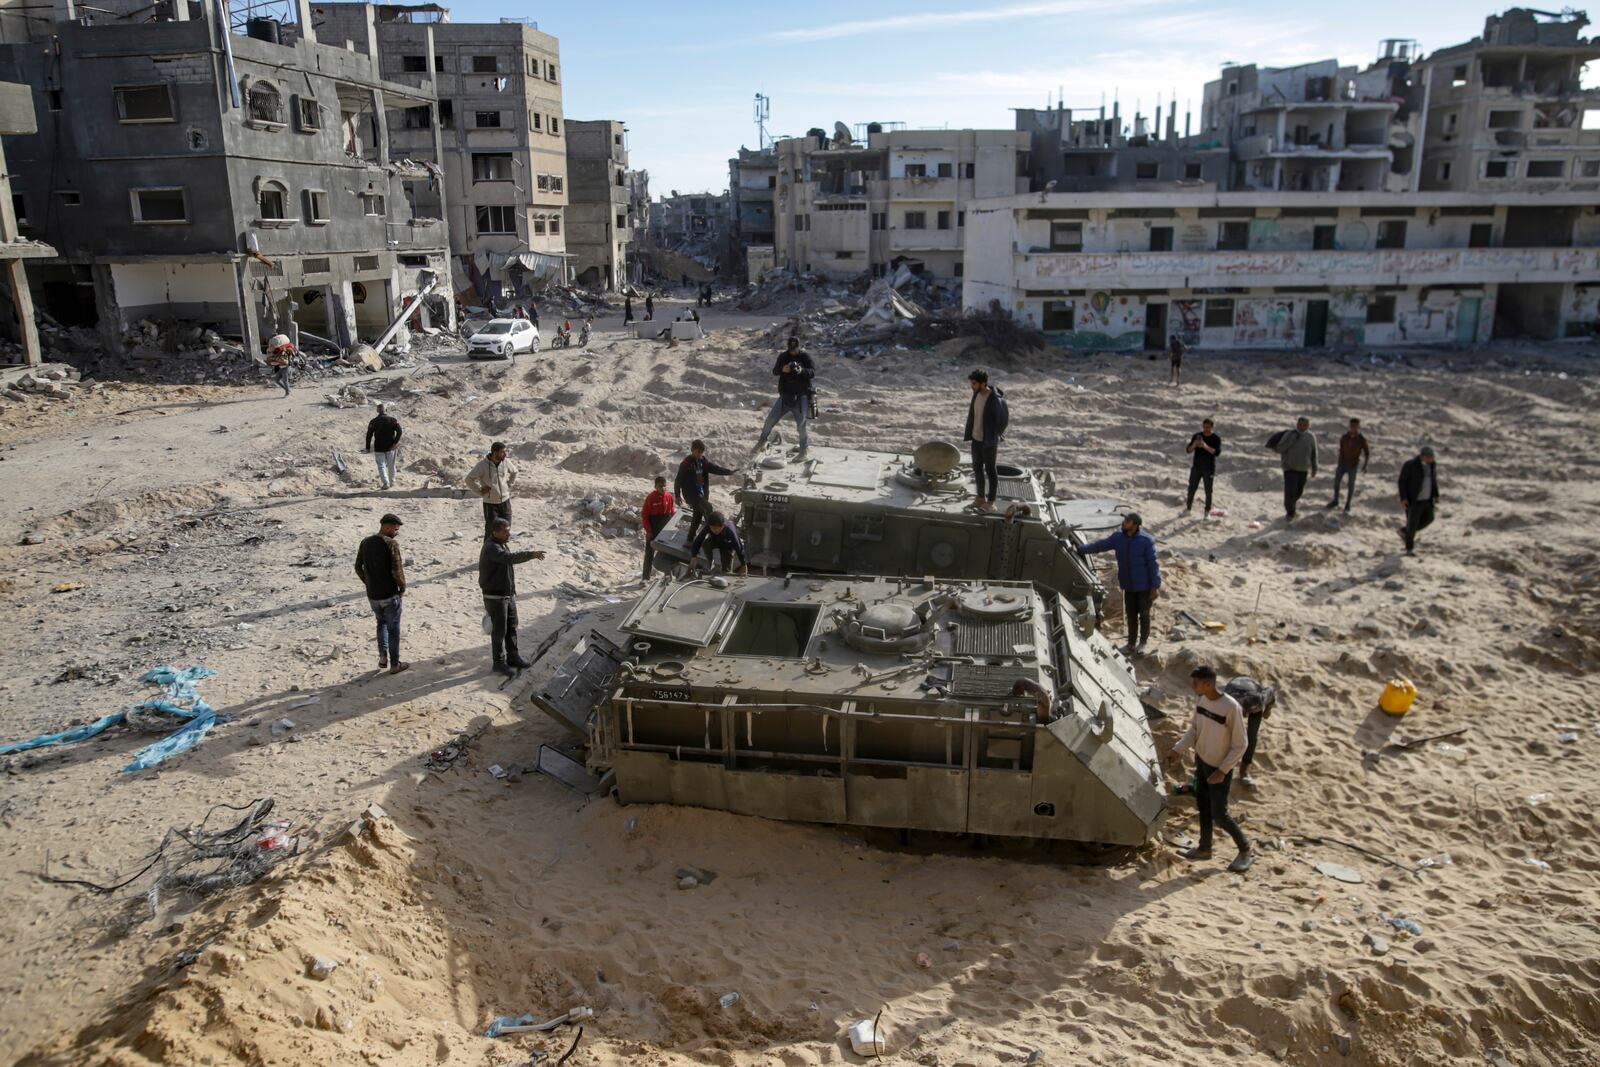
(1397, 696)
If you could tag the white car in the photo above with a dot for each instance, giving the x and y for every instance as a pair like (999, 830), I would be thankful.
(503, 339)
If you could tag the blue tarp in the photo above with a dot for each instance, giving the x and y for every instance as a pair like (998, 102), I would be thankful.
(180, 691)
(505, 1021)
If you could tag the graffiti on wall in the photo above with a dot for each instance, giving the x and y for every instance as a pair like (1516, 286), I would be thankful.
(1186, 320)
(1105, 323)
(1416, 265)
(1264, 323)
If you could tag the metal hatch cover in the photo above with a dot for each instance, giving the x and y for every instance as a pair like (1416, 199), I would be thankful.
(1090, 516)
(856, 472)
(580, 684)
(685, 613)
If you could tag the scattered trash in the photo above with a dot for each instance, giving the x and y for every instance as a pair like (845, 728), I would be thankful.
(1397, 696)
(1538, 798)
(306, 703)
(446, 756)
(524, 1024)
(631, 825)
(201, 861)
(1441, 860)
(497, 771)
(924, 960)
(701, 877)
(67, 587)
(866, 1039)
(282, 726)
(1532, 862)
(200, 716)
(1219, 513)
(1568, 738)
(688, 881)
(728, 1000)
(1339, 872)
(1399, 922)
(1379, 943)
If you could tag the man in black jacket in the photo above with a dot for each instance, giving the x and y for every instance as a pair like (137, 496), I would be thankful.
(497, 578)
(1204, 446)
(721, 539)
(379, 567)
(987, 418)
(383, 437)
(794, 371)
(1419, 491)
(693, 484)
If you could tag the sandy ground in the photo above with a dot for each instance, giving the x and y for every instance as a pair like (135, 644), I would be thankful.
(476, 897)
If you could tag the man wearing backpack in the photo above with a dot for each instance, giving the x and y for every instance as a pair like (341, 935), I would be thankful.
(1298, 449)
(987, 419)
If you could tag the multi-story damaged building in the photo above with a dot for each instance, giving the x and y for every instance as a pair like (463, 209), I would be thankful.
(244, 182)
(1070, 154)
(752, 191)
(598, 228)
(1318, 127)
(845, 207)
(498, 124)
(1399, 204)
(1507, 109)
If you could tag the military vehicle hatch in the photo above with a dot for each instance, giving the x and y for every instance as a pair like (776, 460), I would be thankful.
(843, 511)
(964, 707)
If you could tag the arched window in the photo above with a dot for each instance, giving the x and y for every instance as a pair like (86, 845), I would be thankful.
(263, 103)
(274, 201)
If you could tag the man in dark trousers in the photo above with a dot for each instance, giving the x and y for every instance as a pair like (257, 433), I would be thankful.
(1298, 449)
(627, 309)
(1204, 447)
(693, 484)
(379, 567)
(720, 538)
(987, 418)
(1175, 350)
(491, 479)
(497, 578)
(1419, 492)
(654, 514)
(1217, 735)
(1353, 452)
(794, 371)
(649, 306)
(1138, 574)
(383, 437)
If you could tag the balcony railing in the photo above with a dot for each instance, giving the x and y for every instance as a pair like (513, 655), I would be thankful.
(1400, 266)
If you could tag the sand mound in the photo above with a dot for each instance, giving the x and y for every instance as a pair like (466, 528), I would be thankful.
(629, 460)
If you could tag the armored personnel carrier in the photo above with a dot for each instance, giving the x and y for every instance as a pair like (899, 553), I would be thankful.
(843, 511)
(957, 706)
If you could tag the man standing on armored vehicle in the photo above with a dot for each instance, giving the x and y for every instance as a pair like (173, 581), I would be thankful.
(794, 371)
(987, 418)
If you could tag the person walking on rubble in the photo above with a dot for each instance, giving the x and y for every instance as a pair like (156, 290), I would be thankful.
(383, 441)
(693, 484)
(497, 578)
(1419, 492)
(1175, 350)
(649, 307)
(491, 479)
(1138, 573)
(987, 418)
(654, 515)
(794, 371)
(1298, 449)
(1218, 735)
(627, 309)
(1204, 447)
(379, 566)
(1353, 451)
(279, 351)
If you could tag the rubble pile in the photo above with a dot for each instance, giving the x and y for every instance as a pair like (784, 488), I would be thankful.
(47, 383)
(605, 512)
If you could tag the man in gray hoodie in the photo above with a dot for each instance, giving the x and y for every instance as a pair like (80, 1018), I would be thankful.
(1298, 449)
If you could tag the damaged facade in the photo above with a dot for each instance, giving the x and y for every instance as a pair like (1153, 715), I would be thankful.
(845, 205)
(498, 125)
(598, 227)
(1331, 225)
(241, 183)
(688, 235)
(752, 186)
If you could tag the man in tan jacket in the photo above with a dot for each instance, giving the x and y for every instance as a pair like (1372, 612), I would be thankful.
(491, 479)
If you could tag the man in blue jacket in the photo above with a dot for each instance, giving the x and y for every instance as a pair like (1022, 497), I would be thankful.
(987, 418)
(1138, 574)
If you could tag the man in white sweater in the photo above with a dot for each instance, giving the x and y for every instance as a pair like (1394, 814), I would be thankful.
(1218, 736)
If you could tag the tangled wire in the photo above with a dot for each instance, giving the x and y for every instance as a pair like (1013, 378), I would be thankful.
(447, 755)
(202, 861)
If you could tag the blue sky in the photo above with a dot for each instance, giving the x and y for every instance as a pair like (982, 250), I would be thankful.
(683, 76)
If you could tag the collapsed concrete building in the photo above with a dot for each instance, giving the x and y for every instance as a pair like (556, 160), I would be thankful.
(1446, 199)
(598, 228)
(752, 185)
(497, 133)
(688, 236)
(846, 204)
(17, 117)
(244, 182)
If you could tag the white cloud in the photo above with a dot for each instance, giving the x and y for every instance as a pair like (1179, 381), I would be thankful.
(947, 19)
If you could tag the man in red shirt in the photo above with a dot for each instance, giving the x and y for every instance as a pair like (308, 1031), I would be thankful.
(657, 511)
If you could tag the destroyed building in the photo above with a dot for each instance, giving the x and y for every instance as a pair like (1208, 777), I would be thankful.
(1399, 204)
(848, 204)
(1069, 153)
(498, 124)
(598, 227)
(688, 234)
(17, 321)
(235, 177)
(752, 186)
(1507, 110)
